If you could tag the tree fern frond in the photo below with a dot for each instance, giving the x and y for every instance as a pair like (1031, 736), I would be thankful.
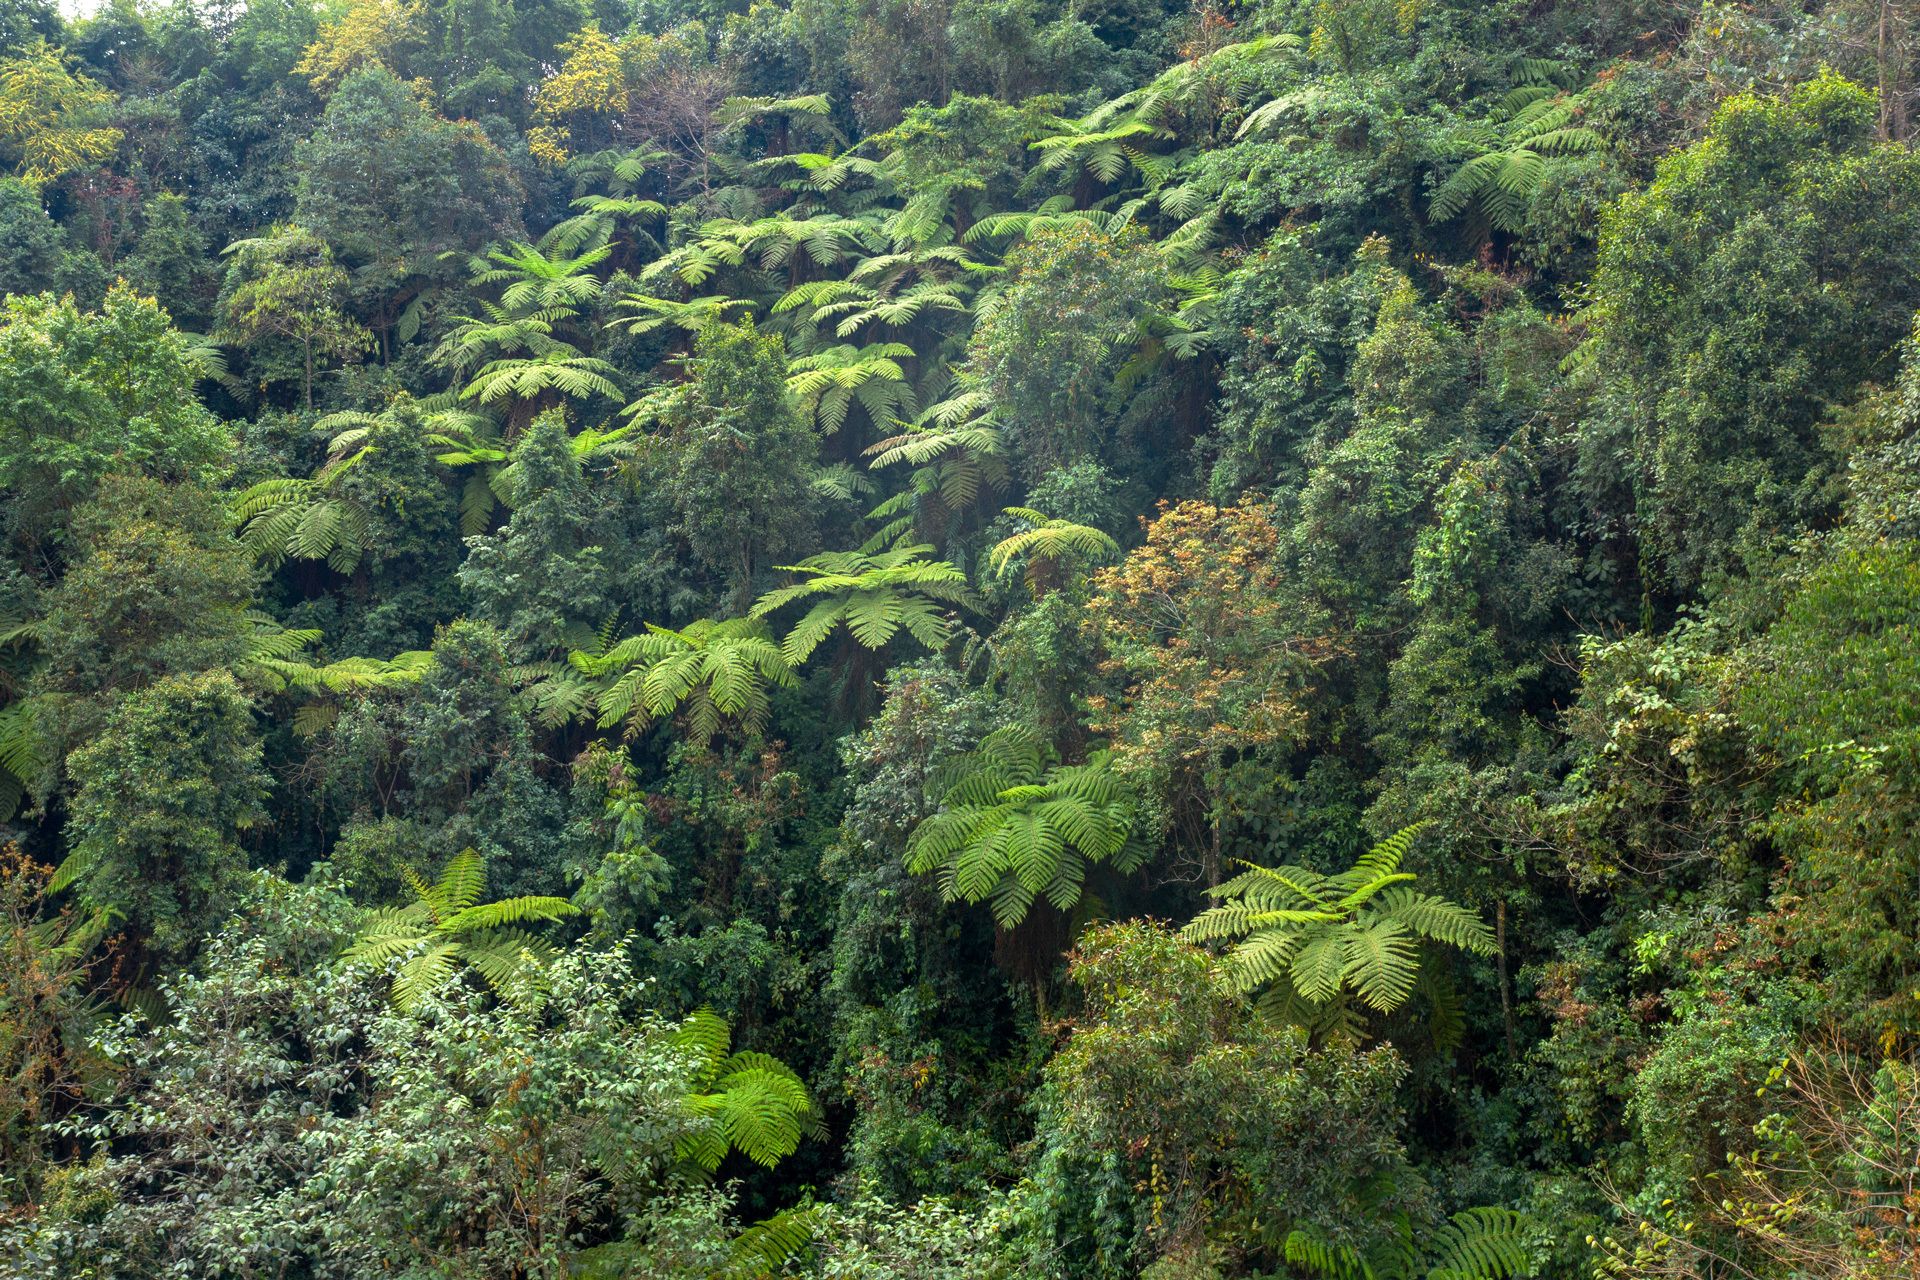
(1484, 1243)
(1313, 1252)
(508, 911)
(1317, 937)
(1009, 829)
(460, 885)
(1380, 962)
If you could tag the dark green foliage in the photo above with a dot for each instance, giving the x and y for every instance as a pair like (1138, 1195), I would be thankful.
(169, 261)
(160, 800)
(1759, 280)
(332, 1148)
(156, 587)
(1177, 1117)
(379, 510)
(49, 1002)
(1828, 696)
(541, 581)
(730, 463)
(393, 188)
(1284, 387)
(84, 394)
(1047, 374)
(207, 1188)
(284, 298)
(920, 1016)
(33, 242)
(769, 480)
(462, 717)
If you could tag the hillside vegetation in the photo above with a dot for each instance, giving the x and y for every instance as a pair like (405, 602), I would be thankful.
(960, 640)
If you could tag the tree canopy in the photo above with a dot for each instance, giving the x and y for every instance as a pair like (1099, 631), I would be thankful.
(959, 639)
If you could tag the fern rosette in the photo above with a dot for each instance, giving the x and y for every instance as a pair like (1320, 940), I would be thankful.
(1012, 830)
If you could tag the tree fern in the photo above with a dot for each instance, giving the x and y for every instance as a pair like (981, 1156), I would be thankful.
(874, 597)
(575, 376)
(772, 242)
(851, 305)
(709, 672)
(766, 1247)
(1047, 542)
(23, 755)
(447, 926)
(689, 316)
(474, 445)
(1506, 156)
(1121, 134)
(517, 348)
(955, 448)
(276, 662)
(320, 517)
(757, 1105)
(1012, 827)
(1482, 1243)
(827, 383)
(1316, 939)
(620, 173)
(306, 519)
(535, 283)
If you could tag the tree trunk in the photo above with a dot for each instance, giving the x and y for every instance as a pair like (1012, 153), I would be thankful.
(1500, 962)
(1212, 855)
(1880, 64)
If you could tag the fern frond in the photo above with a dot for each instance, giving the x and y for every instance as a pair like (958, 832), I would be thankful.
(1484, 1243)
(1438, 919)
(1317, 937)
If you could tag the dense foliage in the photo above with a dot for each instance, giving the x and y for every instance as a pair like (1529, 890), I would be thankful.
(959, 639)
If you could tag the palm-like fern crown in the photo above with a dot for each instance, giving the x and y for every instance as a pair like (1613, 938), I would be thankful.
(1013, 827)
(828, 382)
(307, 519)
(711, 671)
(873, 596)
(757, 1105)
(470, 441)
(956, 450)
(1507, 155)
(498, 332)
(620, 173)
(537, 283)
(534, 303)
(276, 660)
(771, 242)
(576, 376)
(447, 925)
(513, 342)
(23, 755)
(1483, 1243)
(1123, 132)
(690, 316)
(1319, 936)
(1049, 540)
(888, 289)
(318, 518)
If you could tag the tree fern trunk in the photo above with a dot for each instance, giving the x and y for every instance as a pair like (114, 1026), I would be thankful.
(1500, 964)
